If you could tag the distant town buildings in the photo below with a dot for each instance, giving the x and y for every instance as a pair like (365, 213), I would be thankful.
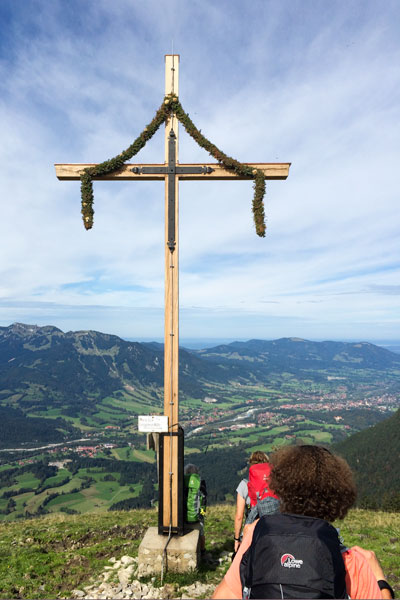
(338, 401)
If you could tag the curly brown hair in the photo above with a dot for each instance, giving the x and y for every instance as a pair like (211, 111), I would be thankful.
(258, 457)
(312, 481)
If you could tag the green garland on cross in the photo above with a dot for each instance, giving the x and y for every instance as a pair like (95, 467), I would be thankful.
(170, 106)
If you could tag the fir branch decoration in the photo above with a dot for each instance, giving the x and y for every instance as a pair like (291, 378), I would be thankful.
(258, 203)
(112, 165)
(172, 106)
(229, 163)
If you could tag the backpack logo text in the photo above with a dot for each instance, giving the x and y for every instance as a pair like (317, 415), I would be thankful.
(289, 561)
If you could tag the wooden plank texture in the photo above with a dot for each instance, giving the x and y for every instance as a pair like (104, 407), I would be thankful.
(71, 172)
(170, 515)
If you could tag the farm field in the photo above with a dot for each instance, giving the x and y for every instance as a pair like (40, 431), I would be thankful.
(86, 490)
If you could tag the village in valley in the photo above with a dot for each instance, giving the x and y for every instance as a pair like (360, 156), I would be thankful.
(289, 413)
(97, 459)
(334, 413)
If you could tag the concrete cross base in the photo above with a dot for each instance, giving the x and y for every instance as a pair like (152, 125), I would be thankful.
(182, 553)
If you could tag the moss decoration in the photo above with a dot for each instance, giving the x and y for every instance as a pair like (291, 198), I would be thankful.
(172, 106)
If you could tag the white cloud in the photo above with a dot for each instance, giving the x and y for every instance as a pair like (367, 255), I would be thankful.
(315, 87)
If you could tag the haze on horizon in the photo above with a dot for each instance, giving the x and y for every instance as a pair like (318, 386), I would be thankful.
(301, 81)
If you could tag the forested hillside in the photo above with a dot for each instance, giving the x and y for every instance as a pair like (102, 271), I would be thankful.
(47, 366)
(374, 455)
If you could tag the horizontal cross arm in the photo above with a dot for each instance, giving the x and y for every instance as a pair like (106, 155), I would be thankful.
(71, 172)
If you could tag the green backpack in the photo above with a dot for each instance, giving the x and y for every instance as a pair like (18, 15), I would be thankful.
(195, 498)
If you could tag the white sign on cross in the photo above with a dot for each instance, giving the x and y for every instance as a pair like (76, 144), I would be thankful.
(153, 424)
(171, 171)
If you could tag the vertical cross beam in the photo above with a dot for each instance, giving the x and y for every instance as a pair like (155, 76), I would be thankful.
(170, 492)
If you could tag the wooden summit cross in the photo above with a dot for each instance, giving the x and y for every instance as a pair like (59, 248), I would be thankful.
(171, 510)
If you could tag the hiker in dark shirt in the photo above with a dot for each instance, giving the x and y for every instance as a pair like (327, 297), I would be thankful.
(313, 485)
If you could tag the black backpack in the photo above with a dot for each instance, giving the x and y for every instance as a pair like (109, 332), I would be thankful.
(293, 556)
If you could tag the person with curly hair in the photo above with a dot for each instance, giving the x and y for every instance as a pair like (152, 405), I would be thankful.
(312, 482)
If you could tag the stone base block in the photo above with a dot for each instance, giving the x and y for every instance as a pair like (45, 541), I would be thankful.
(182, 553)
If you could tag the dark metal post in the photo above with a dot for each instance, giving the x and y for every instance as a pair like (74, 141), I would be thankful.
(180, 528)
(171, 189)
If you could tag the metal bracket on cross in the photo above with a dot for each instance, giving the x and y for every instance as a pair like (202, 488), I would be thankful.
(171, 170)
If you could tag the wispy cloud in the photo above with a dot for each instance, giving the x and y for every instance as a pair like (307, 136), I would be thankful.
(310, 83)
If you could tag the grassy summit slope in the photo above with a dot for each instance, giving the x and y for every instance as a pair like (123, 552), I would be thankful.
(49, 557)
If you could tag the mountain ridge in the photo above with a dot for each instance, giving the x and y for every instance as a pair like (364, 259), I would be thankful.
(45, 372)
(113, 361)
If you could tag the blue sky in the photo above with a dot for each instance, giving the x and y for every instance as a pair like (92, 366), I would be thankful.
(314, 83)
